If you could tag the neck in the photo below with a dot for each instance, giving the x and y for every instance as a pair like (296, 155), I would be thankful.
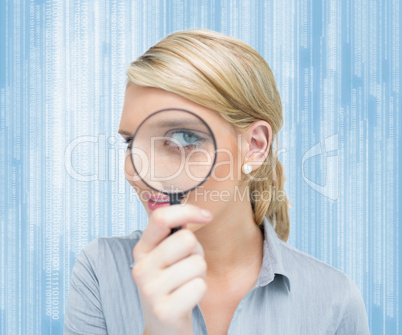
(232, 243)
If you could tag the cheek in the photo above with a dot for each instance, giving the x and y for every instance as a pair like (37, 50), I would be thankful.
(131, 175)
(218, 190)
(129, 171)
(226, 168)
(138, 186)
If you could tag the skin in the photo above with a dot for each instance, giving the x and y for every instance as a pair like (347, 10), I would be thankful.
(231, 243)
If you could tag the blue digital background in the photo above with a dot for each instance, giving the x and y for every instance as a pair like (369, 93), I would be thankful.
(62, 82)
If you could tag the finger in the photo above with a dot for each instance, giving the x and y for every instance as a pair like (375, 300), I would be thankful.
(162, 220)
(185, 298)
(174, 248)
(169, 251)
(177, 275)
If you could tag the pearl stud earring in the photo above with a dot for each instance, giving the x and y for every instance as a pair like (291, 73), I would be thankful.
(246, 168)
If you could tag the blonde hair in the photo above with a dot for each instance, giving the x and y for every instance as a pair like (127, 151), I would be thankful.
(227, 75)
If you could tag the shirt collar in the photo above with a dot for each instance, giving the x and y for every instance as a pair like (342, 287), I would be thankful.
(272, 263)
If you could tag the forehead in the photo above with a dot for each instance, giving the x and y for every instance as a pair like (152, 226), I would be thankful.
(140, 102)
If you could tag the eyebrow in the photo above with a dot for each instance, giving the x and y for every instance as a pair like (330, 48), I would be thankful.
(125, 132)
(165, 124)
(177, 123)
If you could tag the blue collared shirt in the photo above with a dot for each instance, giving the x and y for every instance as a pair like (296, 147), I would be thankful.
(294, 293)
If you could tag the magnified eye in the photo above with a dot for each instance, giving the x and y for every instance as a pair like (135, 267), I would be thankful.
(184, 139)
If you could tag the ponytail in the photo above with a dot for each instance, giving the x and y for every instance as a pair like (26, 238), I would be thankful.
(267, 182)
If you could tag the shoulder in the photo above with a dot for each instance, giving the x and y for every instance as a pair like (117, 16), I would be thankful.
(101, 274)
(106, 250)
(112, 242)
(303, 266)
(118, 244)
(325, 286)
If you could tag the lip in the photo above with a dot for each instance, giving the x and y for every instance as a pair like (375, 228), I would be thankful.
(155, 201)
(156, 197)
(152, 205)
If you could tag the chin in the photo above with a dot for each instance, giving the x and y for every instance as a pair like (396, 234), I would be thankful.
(194, 227)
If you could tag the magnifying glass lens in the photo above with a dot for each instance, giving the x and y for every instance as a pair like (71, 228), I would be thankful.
(173, 151)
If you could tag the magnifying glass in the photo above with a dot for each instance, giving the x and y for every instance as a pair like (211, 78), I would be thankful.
(173, 151)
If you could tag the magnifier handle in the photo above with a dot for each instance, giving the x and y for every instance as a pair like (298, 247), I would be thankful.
(175, 199)
(173, 230)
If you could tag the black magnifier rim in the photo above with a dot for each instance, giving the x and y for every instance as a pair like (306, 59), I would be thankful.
(184, 110)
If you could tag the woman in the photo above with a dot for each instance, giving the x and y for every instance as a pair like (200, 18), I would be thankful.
(229, 270)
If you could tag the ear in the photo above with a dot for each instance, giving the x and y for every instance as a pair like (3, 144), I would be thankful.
(258, 137)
